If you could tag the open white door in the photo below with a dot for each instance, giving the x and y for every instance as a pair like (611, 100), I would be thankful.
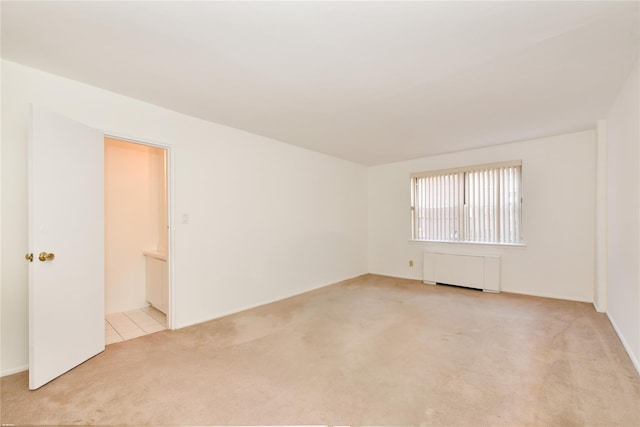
(66, 237)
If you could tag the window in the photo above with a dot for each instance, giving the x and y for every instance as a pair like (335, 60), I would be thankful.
(474, 204)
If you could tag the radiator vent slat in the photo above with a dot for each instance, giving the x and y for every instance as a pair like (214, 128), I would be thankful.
(468, 270)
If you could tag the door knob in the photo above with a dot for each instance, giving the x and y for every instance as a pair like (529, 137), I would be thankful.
(29, 257)
(43, 256)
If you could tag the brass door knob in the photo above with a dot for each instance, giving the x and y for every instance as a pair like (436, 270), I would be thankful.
(43, 256)
(29, 257)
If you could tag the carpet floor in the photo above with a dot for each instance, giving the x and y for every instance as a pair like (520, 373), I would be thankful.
(374, 350)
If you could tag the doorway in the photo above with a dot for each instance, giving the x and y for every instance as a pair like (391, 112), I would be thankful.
(136, 239)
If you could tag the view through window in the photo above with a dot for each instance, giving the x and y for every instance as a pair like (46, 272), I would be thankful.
(474, 204)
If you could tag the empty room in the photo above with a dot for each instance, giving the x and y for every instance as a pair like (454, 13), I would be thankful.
(320, 213)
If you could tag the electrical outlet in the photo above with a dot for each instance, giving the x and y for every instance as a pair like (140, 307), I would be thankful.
(410, 263)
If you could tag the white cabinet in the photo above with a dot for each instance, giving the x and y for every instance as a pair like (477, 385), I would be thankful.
(156, 283)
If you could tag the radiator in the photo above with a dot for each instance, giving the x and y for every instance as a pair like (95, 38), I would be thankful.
(469, 270)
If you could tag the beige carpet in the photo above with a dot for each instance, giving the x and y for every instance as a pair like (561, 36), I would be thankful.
(374, 350)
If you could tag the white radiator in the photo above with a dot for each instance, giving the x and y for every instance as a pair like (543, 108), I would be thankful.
(472, 271)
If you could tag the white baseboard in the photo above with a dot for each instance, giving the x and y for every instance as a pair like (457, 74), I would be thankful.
(595, 305)
(269, 301)
(12, 371)
(312, 288)
(626, 346)
(546, 295)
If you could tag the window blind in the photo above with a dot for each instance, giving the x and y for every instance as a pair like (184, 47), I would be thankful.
(476, 204)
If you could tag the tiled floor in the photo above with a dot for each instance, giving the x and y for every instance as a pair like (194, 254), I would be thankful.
(125, 326)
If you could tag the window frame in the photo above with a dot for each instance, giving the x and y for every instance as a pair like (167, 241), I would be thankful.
(463, 211)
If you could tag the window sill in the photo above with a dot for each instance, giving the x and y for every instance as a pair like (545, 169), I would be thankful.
(517, 245)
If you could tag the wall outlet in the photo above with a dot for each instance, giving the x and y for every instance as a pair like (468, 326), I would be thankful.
(410, 263)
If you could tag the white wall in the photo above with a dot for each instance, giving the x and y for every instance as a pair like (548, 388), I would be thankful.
(134, 220)
(267, 219)
(623, 216)
(558, 216)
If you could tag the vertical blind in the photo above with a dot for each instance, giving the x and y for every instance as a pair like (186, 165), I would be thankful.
(475, 204)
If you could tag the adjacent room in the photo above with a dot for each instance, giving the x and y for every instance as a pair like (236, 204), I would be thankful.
(135, 228)
(320, 213)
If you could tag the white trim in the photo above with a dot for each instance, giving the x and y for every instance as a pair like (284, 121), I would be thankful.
(597, 308)
(626, 345)
(133, 140)
(546, 295)
(16, 370)
(272, 300)
(418, 242)
(472, 168)
(171, 316)
(600, 255)
(502, 290)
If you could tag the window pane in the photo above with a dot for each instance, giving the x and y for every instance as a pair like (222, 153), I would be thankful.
(481, 204)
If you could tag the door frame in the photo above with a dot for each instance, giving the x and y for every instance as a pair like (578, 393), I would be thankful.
(170, 214)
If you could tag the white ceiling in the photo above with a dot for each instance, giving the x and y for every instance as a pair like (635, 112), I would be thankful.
(372, 82)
